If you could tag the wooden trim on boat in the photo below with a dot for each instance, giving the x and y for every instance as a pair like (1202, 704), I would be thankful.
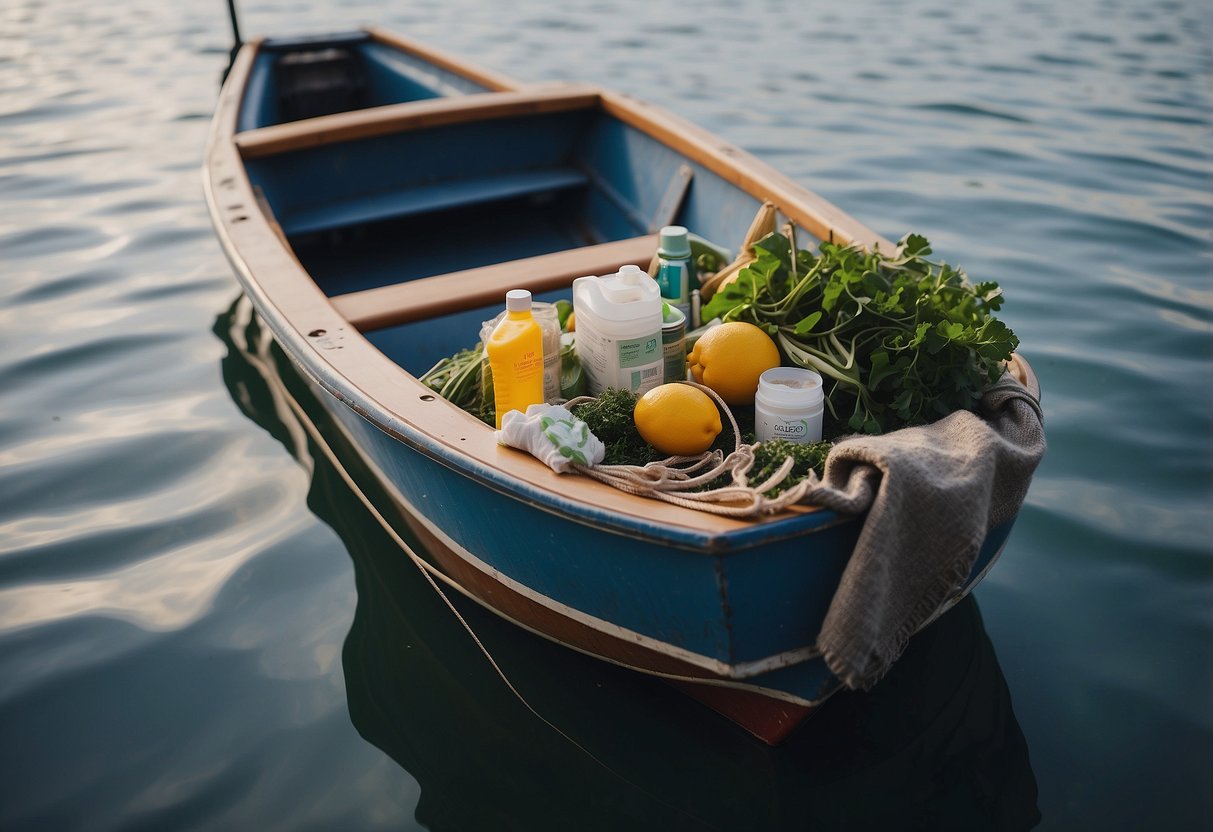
(428, 297)
(731, 163)
(1024, 373)
(444, 60)
(412, 115)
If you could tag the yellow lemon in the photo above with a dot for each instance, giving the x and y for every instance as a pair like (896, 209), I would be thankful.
(730, 357)
(677, 419)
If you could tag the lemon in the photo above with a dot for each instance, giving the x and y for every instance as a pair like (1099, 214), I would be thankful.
(677, 419)
(730, 357)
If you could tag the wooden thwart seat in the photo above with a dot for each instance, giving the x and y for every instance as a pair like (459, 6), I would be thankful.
(427, 199)
(429, 297)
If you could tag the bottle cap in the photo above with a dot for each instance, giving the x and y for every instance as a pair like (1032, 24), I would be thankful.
(674, 242)
(517, 300)
(631, 274)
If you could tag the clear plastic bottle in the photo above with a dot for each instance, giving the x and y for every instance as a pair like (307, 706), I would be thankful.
(515, 351)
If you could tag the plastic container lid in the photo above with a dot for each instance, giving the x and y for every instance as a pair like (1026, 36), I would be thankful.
(518, 300)
(790, 387)
(674, 241)
(631, 275)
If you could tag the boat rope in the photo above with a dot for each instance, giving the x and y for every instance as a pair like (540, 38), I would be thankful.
(678, 479)
(237, 42)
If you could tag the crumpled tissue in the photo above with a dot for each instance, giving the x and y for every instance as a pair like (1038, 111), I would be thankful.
(553, 435)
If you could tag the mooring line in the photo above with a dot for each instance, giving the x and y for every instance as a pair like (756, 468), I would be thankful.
(425, 568)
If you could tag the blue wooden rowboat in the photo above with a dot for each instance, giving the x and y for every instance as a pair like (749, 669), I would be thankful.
(377, 198)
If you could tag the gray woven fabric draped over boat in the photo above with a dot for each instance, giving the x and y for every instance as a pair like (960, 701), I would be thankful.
(931, 494)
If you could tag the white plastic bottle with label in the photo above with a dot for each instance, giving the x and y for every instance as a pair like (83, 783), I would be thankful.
(619, 331)
(789, 404)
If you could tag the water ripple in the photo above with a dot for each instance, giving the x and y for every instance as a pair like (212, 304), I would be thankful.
(37, 242)
(166, 592)
(82, 357)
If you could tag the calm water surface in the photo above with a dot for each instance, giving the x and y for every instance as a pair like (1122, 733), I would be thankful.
(201, 628)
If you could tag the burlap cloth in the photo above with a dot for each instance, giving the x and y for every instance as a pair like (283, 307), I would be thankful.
(931, 493)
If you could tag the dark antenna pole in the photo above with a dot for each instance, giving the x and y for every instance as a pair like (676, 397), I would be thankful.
(236, 41)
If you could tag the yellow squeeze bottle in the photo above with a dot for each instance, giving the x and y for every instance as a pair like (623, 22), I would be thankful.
(515, 352)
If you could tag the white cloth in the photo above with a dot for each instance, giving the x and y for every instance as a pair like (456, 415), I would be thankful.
(552, 435)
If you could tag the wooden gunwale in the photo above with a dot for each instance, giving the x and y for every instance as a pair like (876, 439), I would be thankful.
(390, 119)
(444, 60)
(427, 297)
(734, 165)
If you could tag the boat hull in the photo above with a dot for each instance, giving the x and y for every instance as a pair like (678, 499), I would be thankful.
(574, 582)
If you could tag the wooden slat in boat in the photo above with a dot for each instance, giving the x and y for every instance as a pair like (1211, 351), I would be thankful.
(412, 115)
(444, 60)
(428, 297)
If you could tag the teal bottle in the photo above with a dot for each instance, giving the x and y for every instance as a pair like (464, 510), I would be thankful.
(676, 275)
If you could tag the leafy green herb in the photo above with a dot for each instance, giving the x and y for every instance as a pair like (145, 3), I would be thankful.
(563, 309)
(709, 257)
(458, 380)
(899, 340)
(466, 380)
(572, 377)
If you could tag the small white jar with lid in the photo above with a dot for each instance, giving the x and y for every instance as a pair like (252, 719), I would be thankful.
(789, 405)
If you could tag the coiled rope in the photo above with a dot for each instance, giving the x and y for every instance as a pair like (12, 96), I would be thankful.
(681, 480)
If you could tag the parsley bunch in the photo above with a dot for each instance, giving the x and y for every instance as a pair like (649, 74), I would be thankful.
(899, 340)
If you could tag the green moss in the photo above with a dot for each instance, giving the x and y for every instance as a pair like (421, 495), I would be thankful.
(610, 419)
(770, 455)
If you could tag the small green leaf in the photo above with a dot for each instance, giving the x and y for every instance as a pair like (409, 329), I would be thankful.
(807, 323)
(916, 245)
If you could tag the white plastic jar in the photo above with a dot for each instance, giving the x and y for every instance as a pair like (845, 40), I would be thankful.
(789, 405)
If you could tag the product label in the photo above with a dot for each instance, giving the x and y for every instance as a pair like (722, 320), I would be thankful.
(635, 352)
(551, 376)
(768, 426)
(675, 361)
(673, 280)
(790, 430)
(528, 365)
(634, 363)
(645, 379)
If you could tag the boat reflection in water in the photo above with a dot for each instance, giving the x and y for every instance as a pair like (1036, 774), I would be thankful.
(583, 744)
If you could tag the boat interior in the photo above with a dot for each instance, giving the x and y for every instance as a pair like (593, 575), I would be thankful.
(416, 193)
